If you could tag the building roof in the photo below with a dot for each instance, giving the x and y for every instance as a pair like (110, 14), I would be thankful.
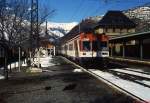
(116, 19)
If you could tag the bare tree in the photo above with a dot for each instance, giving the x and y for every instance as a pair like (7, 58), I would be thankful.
(15, 16)
(42, 12)
(15, 24)
(12, 22)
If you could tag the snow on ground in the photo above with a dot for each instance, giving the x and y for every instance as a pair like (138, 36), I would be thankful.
(132, 73)
(1, 68)
(1, 77)
(144, 82)
(46, 61)
(132, 87)
(77, 70)
(138, 70)
(16, 64)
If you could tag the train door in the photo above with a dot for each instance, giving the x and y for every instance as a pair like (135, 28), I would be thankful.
(76, 48)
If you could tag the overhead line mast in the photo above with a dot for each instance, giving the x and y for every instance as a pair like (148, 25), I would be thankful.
(34, 29)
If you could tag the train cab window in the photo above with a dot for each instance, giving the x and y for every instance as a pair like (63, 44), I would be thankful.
(94, 46)
(86, 46)
(103, 44)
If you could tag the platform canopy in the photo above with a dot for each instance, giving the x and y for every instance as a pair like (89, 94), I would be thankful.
(132, 36)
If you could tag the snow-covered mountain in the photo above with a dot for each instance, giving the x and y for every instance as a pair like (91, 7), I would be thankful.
(141, 16)
(59, 29)
(140, 12)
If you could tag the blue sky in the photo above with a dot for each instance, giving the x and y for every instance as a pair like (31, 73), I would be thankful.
(76, 10)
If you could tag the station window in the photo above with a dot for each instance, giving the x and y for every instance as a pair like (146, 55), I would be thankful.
(86, 46)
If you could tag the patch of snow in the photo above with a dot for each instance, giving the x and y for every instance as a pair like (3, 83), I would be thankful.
(13, 65)
(34, 70)
(47, 71)
(132, 87)
(1, 77)
(24, 65)
(59, 29)
(46, 62)
(2, 68)
(132, 73)
(16, 64)
(77, 70)
(144, 82)
(65, 26)
(138, 70)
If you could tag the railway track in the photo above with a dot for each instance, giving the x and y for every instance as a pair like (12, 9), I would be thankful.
(140, 79)
(112, 84)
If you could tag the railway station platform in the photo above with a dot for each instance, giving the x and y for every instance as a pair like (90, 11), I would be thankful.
(131, 61)
(59, 82)
(131, 48)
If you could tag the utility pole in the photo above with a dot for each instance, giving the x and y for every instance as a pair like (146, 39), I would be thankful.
(34, 34)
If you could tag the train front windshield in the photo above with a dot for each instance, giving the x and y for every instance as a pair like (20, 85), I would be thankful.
(86, 46)
(95, 45)
(103, 44)
(98, 45)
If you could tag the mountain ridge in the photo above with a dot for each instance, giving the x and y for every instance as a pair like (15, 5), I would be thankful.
(60, 29)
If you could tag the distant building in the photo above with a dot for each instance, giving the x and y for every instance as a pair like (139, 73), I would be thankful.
(47, 43)
(115, 23)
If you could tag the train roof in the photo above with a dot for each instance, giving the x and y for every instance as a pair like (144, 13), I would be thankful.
(116, 19)
(86, 26)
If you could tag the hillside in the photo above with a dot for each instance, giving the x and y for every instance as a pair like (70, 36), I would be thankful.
(141, 16)
(60, 29)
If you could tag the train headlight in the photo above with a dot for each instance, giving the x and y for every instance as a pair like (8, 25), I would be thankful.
(104, 53)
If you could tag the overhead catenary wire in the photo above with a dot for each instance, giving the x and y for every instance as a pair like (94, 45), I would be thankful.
(77, 10)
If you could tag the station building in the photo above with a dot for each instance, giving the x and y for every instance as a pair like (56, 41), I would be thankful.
(115, 23)
(47, 45)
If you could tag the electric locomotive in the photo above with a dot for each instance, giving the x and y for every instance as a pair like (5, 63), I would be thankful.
(82, 44)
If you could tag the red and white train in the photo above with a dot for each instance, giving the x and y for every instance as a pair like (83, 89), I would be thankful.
(85, 47)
